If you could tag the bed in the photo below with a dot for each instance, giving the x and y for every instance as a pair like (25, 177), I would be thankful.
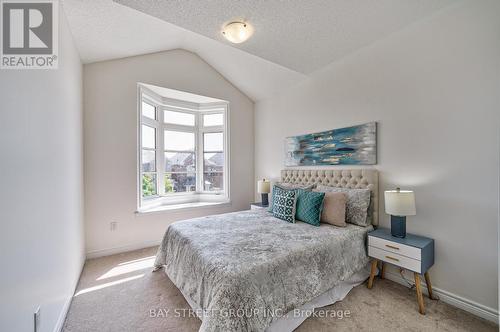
(249, 271)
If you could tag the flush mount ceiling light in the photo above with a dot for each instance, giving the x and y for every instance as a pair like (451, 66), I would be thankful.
(237, 32)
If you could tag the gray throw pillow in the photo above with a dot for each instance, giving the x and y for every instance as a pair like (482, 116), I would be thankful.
(286, 185)
(357, 205)
(289, 186)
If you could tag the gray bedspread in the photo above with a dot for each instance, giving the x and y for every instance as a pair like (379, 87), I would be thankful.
(245, 268)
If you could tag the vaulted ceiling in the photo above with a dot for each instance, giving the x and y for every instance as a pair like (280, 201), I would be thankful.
(292, 38)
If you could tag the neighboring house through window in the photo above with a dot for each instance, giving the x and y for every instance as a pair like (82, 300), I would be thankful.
(183, 142)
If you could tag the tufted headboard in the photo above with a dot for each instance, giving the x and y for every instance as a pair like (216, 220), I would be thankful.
(343, 178)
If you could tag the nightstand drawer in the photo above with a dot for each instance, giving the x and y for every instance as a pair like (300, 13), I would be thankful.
(396, 259)
(395, 247)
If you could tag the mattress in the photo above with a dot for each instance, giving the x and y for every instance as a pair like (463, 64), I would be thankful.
(247, 269)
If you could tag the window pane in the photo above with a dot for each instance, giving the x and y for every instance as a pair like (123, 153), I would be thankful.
(213, 181)
(180, 182)
(213, 162)
(179, 162)
(148, 185)
(178, 118)
(148, 137)
(213, 119)
(148, 111)
(213, 142)
(148, 161)
(179, 141)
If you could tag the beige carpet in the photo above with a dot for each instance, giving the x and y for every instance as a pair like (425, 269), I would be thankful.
(116, 293)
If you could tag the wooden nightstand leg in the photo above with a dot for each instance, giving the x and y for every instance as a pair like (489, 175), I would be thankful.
(382, 271)
(420, 298)
(429, 285)
(372, 273)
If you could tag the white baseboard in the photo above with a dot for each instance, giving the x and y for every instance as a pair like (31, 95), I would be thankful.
(474, 308)
(62, 314)
(64, 311)
(121, 249)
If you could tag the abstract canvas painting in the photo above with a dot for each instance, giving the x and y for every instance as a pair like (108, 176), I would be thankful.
(355, 145)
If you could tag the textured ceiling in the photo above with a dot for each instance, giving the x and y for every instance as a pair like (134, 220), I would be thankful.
(105, 30)
(303, 35)
(292, 37)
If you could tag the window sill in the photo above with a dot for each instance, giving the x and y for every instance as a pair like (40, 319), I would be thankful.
(183, 206)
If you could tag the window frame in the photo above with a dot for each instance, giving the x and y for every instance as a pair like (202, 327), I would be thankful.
(146, 121)
(210, 130)
(198, 110)
(181, 128)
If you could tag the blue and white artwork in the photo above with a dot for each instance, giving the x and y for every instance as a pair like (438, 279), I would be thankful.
(355, 145)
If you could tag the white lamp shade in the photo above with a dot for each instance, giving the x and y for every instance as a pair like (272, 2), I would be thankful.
(263, 186)
(400, 202)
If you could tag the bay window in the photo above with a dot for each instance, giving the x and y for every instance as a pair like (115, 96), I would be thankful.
(213, 161)
(183, 151)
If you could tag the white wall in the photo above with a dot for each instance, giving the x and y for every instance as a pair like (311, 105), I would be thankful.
(110, 122)
(434, 89)
(41, 193)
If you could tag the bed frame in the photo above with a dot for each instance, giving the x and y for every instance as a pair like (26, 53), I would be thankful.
(345, 178)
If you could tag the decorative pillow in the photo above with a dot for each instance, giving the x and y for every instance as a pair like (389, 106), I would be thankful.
(358, 202)
(284, 202)
(309, 206)
(334, 208)
(289, 186)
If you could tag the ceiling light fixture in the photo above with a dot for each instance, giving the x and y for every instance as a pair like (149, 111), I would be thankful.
(237, 32)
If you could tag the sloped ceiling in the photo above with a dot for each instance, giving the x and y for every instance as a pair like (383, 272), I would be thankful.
(293, 38)
(105, 30)
(303, 35)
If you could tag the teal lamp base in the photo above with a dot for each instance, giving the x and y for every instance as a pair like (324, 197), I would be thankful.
(398, 226)
(265, 199)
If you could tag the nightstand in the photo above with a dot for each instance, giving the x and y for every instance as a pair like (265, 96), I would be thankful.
(258, 206)
(414, 253)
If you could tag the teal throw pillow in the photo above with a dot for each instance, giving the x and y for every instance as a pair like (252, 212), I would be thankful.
(284, 203)
(309, 206)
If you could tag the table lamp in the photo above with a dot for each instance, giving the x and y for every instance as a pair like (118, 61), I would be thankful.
(264, 188)
(399, 204)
